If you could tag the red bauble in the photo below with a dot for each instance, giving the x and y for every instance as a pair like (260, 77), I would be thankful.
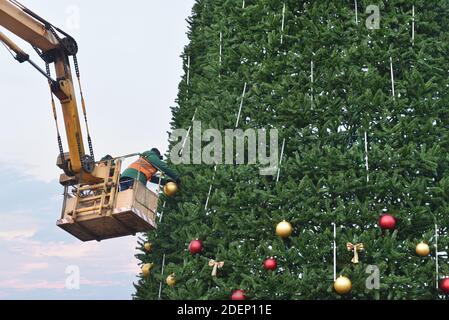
(270, 264)
(195, 246)
(238, 295)
(444, 285)
(387, 221)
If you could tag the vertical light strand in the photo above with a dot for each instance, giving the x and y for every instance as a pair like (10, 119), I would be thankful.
(356, 12)
(208, 195)
(335, 251)
(162, 273)
(243, 4)
(188, 71)
(436, 258)
(161, 176)
(241, 106)
(221, 48)
(185, 141)
(162, 212)
(366, 157)
(188, 133)
(283, 24)
(312, 78)
(413, 25)
(280, 161)
(210, 189)
(392, 78)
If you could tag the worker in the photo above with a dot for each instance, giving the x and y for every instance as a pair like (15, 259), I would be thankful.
(145, 168)
(104, 161)
(106, 158)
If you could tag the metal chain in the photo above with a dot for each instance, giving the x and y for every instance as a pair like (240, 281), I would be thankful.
(53, 32)
(83, 103)
(55, 116)
(78, 142)
(39, 52)
(77, 71)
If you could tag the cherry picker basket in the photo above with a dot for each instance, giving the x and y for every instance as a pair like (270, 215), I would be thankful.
(101, 211)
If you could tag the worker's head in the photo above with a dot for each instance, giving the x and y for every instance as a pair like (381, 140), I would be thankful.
(156, 151)
(106, 158)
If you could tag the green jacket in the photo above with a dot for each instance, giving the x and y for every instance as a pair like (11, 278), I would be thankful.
(152, 158)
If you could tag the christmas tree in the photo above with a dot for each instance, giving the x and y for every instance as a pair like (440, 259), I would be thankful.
(358, 91)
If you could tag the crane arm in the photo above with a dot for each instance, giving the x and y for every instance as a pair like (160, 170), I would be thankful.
(19, 20)
(22, 56)
(44, 37)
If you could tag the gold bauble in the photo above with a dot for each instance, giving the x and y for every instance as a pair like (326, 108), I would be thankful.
(342, 285)
(422, 249)
(170, 189)
(284, 229)
(171, 280)
(146, 268)
(148, 246)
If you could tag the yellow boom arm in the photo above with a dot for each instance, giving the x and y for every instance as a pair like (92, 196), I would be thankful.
(42, 35)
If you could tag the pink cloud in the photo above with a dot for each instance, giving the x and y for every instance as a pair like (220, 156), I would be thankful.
(100, 283)
(132, 267)
(20, 284)
(30, 285)
(17, 235)
(54, 249)
(29, 267)
(33, 264)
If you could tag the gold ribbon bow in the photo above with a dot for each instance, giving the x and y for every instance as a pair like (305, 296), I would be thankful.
(216, 265)
(356, 248)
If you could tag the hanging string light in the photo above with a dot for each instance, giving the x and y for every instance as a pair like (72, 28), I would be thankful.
(413, 25)
(221, 48)
(312, 79)
(162, 273)
(335, 250)
(188, 72)
(280, 161)
(366, 157)
(241, 106)
(392, 78)
(437, 276)
(283, 24)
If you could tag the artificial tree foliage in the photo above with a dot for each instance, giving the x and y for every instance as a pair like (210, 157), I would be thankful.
(323, 178)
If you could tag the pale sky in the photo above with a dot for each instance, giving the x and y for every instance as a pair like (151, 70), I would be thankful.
(130, 67)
